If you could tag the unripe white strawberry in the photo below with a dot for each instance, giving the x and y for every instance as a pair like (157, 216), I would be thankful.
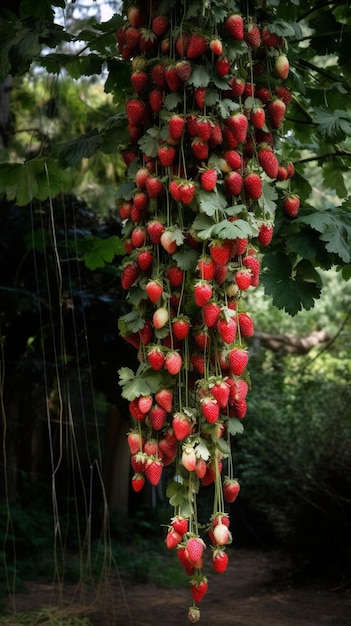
(160, 317)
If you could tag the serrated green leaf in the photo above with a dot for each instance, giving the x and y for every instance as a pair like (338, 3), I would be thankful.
(204, 226)
(176, 493)
(267, 201)
(133, 321)
(210, 202)
(333, 179)
(149, 142)
(125, 191)
(234, 427)
(125, 375)
(332, 125)
(232, 230)
(227, 106)
(72, 152)
(38, 178)
(172, 100)
(224, 447)
(202, 450)
(335, 228)
(134, 389)
(186, 259)
(199, 76)
(100, 251)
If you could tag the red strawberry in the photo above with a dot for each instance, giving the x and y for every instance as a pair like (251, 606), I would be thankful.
(166, 155)
(227, 329)
(246, 325)
(184, 70)
(138, 236)
(194, 549)
(265, 234)
(181, 426)
(215, 46)
(252, 263)
(202, 339)
(198, 587)
(202, 293)
(219, 560)
(220, 391)
(153, 470)
(140, 200)
(181, 327)
(216, 136)
(172, 78)
(237, 86)
(208, 179)
(253, 186)
(198, 363)
(135, 110)
(291, 205)
(282, 66)
(182, 44)
(271, 40)
(210, 409)
(145, 260)
(187, 192)
(231, 488)
(173, 362)
(206, 267)
(158, 76)
(135, 411)
(160, 317)
(200, 149)
(180, 524)
(276, 112)
(175, 275)
(154, 186)
(140, 81)
(173, 538)
(168, 242)
(222, 66)
(238, 360)
(132, 38)
(138, 482)
(140, 178)
(252, 36)
(135, 441)
(282, 173)
(147, 40)
(197, 46)
(174, 190)
(157, 416)
(268, 161)
(290, 168)
(154, 290)
(203, 128)
(200, 96)
(200, 468)
(283, 94)
(146, 333)
(154, 230)
(145, 403)
(243, 279)
(124, 210)
(233, 158)
(258, 117)
(156, 357)
(238, 125)
(233, 183)
(135, 17)
(211, 313)
(176, 126)
(164, 398)
(220, 251)
(234, 25)
(159, 25)
(129, 275)
(156, 100)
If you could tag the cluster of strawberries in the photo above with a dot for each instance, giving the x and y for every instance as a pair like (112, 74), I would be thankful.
(205, 113)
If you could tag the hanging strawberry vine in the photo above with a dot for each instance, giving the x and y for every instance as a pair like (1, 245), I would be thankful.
(205, 114)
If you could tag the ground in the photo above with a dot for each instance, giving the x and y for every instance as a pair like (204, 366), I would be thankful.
(256, 590)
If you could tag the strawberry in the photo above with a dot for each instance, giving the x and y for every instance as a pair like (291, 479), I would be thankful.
(238, 360)
(215, 46)
(124, 210)
(138, 482)
(157, 416)
(159, 25)
(200, 97)
(187, 192)
(282, 173)
(220, 251)
(216, 136)
(181, 326)
(252, 36)
(258, 117)
(198, 587)
(246, 325)
(265, 234)
(174, 190)
(182, 44)
(160, 317)
(184, 70)
(233, 183)
(219, 560)
(253, 264)
(140, 177)
(276, 112)
(158, 76)
(166, 155)
(176, 126)
(173, 362)
(154, 186)
(145, 403)
(206, 267)
(290, 168)
(200, 149)
(140, 200)
(135, 17)
(172, 78)
(130, 273)
(238, 125)
(202, 293)
(194, 548)
(181, 426)
(200, 468)
(220, 391)
(138, 236)
(282, 66)
(237, 86)
(184, 561)
(175, 275)
(253, 186)
(227, 329)
(283, 94)
(197, 46)
(138, 461)
(155, 357)
(188, 457)
(135, 411)
(135, 441)
(173, 538)
(222, 66)
(234, 25)
(135, 110)
(156, 100)
(233, 158)
(221, 273)
(140, 81)
(154, 230)
(231, 488)
(168, 242)
(291, 205)
(268, 161)
(147, 40)
(269, 39)
(211, 312)
(243, 279)
(210, 409)
(180, 524)
(221, 534)
(145, 260)
(132, 38)
(203, 129)
(153, 470)
(164, 399)
(146, 333)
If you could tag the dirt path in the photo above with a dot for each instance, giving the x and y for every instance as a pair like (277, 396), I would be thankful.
(251, 593)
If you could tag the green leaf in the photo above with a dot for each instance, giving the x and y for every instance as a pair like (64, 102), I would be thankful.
(72, 152)
(100, 251)
(232, 230)
(203, 226)
(234, 427)
(199, 76)
(176, 493)
(334, 125)
(202, 450)
(186, 259)
(125, 374)
(149, 142)
(172, 100)
(38, 178)
(335, 228)
(333, 179)
(210, 202)
(133, 321)
(291, 287)
(267, 201)
(125, 191)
